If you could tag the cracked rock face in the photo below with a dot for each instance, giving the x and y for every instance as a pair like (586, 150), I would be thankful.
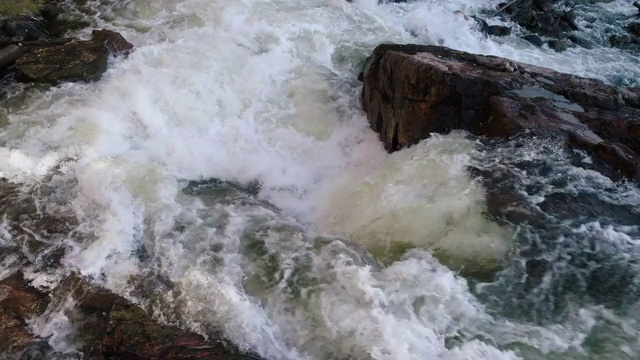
(411, 91)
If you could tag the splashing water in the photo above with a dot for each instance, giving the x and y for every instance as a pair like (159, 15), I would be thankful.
(266, 91)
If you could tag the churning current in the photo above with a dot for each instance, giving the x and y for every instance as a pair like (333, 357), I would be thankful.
(266, 92)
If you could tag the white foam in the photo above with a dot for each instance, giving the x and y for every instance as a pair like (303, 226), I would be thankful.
(19, 166)
(56, 326)
(418, 197)
(244, 90)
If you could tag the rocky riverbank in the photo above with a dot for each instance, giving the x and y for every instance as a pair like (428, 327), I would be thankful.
(35, 48)
(101, 324)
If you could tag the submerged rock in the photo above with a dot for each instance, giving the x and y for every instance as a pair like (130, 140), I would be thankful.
(411, 91)
(634, 28)
(105, 325)
(25, 20)
(499, 30)
(624, 41)
(78, 61)
(109, 327)
(534, 39)
(557, 45)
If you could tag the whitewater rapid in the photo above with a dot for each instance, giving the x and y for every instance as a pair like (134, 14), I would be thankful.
(267, 91)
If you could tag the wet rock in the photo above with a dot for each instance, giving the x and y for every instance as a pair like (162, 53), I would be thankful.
(624, 41)
(114, 42)
(23, 30)
(557, 45)
(18, 303)
(569, 18)
(482, 24)
(130, 333)
(106, 326)
(580, 41)
(493, 30)
(26, 20)
(544, 18)
(534, 39)
(499, 30)
(634, 28)
(411, 91)
(9, 54)
(78, 61)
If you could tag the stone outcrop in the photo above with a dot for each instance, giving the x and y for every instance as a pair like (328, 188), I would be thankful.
(411, 91)
(76, 61)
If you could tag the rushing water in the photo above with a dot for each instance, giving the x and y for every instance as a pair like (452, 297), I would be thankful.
(266, 92)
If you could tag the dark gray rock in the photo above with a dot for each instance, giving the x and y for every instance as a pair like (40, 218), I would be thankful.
(580, 41)
(624, 41)
(557, 45)
(498, 30)
(634, 28)
(23, 30)
(534, 39)
(493, 30)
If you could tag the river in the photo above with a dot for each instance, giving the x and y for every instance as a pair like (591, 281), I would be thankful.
(266, 92)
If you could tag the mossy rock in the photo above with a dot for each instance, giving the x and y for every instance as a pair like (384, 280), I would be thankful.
(480, 268)
(14, 8)
(141, 329)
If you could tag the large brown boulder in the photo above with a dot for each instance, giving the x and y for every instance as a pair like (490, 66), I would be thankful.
(77, 61)
(411, 91)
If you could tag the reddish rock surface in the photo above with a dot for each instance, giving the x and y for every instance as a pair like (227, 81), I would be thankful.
(132, 334)
(411, 91)
(106, 325)
(74, 61)
(18, 303)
